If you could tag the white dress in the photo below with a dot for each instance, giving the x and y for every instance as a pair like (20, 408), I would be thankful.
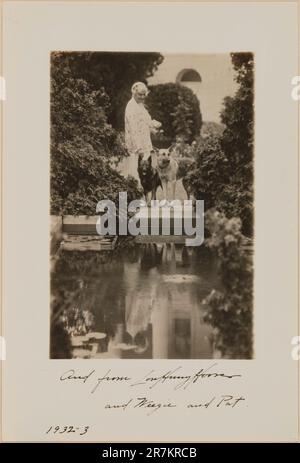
(138, 126)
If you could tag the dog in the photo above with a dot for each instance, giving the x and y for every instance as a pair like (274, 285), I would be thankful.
(172, 168)
(149, 177)
(167, 168)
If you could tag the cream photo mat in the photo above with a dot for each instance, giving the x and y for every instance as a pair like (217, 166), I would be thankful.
(33, 397)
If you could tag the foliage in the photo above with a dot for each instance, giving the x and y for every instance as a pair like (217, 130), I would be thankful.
(238, 138)
(211, 128)
(77, 321)
(208, 177)
(223, 171)
(83, 144)
(183, 150)
(230, 311)
(116, 72)
(178, 109)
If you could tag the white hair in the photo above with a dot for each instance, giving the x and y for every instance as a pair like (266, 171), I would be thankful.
(139, 87)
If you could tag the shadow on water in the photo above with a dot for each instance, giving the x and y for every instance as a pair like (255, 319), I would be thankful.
(141, 301)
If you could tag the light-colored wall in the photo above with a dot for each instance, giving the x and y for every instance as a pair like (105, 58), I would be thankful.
(217, 76)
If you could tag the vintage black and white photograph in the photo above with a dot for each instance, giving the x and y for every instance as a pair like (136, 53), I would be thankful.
(160, 129)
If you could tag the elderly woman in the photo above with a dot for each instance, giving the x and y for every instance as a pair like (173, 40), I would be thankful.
(138, 128)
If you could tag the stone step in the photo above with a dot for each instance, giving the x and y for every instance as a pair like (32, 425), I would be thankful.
(82, 225)
(79, 224)
(88, 243)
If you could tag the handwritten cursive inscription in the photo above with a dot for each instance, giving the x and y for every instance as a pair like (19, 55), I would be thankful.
(151, 406)
(145, 403)
(151, 380)
(182, 381)
(70, 375)
(178, 378)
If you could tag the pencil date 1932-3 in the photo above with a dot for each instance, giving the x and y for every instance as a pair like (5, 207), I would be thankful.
(79, 430)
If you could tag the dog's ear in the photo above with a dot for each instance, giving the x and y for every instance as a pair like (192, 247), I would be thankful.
(141, 155)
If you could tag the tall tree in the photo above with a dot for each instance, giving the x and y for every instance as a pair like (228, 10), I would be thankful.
(83, 144)
(238, 137)
(178, 108)
(223, 173)
(116, 72)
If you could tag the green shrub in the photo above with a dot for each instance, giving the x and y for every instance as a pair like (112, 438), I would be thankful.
(83, 144)
(223, 171)
(116, 72)
(230, 311)
(178, 109)
(238, 139)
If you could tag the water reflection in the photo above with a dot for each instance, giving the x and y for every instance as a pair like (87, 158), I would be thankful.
(144, 301)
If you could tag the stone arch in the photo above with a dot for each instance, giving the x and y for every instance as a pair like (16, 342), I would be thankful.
(188, 75)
